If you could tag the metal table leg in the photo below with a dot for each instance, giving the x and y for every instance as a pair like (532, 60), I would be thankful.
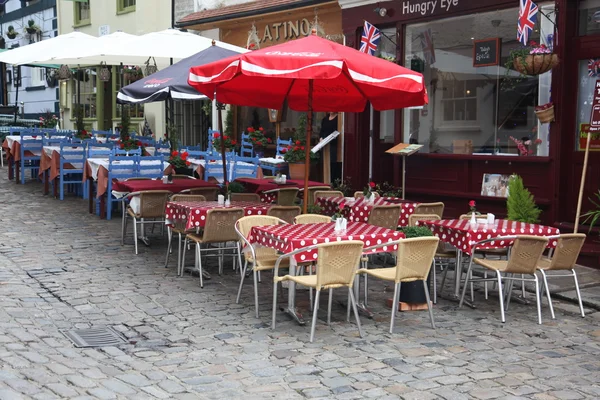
(291, 306)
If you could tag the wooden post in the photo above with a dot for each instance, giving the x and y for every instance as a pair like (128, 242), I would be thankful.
(583, 174)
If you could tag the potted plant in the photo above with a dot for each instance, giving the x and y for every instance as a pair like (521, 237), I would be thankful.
(532, 60)
(520, 203)
(295, 156)
(172, 136)
(545, 112)
(179, 162)
(258, 140)
(132, 73)
(524, 145)
(80, 133)
(11, 33)
(31, 27)
(592, 215)
(48, 120)
(228, 143)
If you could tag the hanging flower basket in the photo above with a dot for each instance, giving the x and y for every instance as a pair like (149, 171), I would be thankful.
(535, 64)
(545, 113)
(64, 72)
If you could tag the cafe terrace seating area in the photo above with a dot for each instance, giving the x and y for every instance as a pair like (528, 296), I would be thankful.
(258, 233)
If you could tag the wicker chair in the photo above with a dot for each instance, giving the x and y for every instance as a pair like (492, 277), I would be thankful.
(252, 197)
(220, 229)
(286, 213)
(360, 195)
(152, 205)
(311, 193)
(180, 232)
(326, 193)
(564, 258)
(336, 267)
(385, 216)
(210, 193)
(312, 219)
(260, 258)
(415, 257)
(430, 208)
(285, 196)
(524, 258)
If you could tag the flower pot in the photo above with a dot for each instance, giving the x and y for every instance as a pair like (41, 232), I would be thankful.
(535, 64)
(11, 35)
(31, 31)
(297, 170)
(184, 171)
(546, 115)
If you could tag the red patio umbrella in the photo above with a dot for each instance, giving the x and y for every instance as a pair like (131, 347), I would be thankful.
(312, 74)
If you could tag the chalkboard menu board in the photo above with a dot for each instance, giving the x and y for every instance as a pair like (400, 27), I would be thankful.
(486, 52)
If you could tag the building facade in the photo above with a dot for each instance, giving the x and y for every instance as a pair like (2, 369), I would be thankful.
(32, 89)
(98, 18)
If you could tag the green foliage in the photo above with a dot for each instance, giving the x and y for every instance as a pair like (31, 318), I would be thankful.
(343, 185)
(125, 124)
(79, 127)
(313, 209)
(236, 187)
(301, 131)
(228, 123)
(415, 231)
(386, 189)
(255, 119)
(520, 203)
(172, 136)
(592, 215)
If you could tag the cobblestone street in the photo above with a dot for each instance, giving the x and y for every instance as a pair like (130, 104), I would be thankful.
(62, 268)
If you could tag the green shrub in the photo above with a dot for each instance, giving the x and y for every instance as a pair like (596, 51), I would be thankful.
(520, 203)
(415, 231)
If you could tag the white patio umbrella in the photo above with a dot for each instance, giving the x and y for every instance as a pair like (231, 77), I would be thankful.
(44, 50)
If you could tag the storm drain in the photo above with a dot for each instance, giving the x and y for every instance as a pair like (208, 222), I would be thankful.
(94, 337)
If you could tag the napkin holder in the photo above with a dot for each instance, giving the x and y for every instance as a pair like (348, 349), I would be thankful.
(221, 199)
(165, 179)
(340, 224)
(473, 219)
(491, 219)
(227, 202)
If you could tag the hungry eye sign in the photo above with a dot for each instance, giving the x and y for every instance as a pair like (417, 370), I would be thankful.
(486, 52)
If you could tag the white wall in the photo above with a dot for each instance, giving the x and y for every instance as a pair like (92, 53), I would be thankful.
(35, 101)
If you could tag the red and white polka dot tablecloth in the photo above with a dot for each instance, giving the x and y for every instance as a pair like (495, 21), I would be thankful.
(290, 237)
(463, 235)
(192, 214)
(360, 209)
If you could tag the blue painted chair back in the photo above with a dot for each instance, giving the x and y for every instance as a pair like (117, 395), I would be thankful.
(151, 166)
(245, 167)
(72, 159)
(163, 148)
(54, 140)
(282, 144)
(99, 150)
(246, 148)
(120, 167)
(194, 152)
(31, 152)
(147, 141)
(122, 152)
(214, 168)
(16, 131)
(211, 137)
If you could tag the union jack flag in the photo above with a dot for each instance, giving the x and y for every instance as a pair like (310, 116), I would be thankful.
(527, 19)
(427, 45)
(370, 39)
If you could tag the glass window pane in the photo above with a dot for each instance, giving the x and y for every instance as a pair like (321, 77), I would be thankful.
(584, 103)
(589, 17)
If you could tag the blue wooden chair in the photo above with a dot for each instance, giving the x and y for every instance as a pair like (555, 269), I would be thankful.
(247, 170)
(99, 150)
(54, 140)
(246, 148)
(214, 168)
(275, 169)
(211, 137)
(131, 152)
(119, 168)
(72, 159)
(151, 167)
(31, 154)
(162, 148)
(147, 141)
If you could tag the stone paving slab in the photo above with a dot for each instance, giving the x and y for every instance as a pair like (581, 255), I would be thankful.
(61, 268)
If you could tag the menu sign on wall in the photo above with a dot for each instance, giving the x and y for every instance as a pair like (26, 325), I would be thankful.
(486, 52)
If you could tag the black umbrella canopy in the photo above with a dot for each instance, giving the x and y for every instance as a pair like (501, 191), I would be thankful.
(171, 82)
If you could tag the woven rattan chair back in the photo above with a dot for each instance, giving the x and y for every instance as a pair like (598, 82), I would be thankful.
(430, 208)
(210, 193)
(360, 195)
(220, 225)
(525, 253)
(287, 196)
(253, 197)
(414, 218)
(311, 193)
(246, 224)
(567, 250)
(286, 213)
(312, 219)
(337, 263)
(468, 216)
(153, 203)
(385, 216)
(188, 197)
(326, 193)
(415, 257)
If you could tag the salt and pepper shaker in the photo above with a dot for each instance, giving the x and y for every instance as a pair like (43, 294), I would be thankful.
(473, 218)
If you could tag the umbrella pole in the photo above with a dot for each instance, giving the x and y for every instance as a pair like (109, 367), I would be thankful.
(307, 146)
(223, 158)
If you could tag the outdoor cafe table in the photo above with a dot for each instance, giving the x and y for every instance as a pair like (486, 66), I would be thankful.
(260, 186)
(287, 238)
(463, 235)
(358, 210)
(192, 214)
(12, 146)
(50, 165)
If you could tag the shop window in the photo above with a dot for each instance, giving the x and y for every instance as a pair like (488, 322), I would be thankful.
(589, 17)
(125, 6)
(589, 73)
(81, 13)
(85, 89)
(387, 50)
(38, 76)
(476, 109)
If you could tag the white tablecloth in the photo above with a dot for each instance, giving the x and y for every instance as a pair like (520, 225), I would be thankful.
(96, 163)
(50, 149)
(240, 165)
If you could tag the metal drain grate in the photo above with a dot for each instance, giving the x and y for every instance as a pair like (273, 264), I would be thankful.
(94, 337)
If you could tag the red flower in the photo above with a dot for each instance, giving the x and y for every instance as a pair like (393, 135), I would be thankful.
(261, 129)
(298, 143)
(472, 203)
(302, 148)
(538, 141)
(284, 150)
(372, 185)
(121, 145)
(175, 153)
(138, 143)
(216, 135)
(184, 155)
(250, 129)
(269, 140)
(296, 148)
(166, 135)
(225, 137)
(234, 142)
(188, 163)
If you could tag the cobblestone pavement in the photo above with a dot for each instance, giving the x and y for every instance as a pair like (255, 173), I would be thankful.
(61, 268)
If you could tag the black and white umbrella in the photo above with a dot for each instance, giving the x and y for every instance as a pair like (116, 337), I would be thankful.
(171, 82)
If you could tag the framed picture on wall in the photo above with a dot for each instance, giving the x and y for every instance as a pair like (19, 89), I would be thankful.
(495, 185)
